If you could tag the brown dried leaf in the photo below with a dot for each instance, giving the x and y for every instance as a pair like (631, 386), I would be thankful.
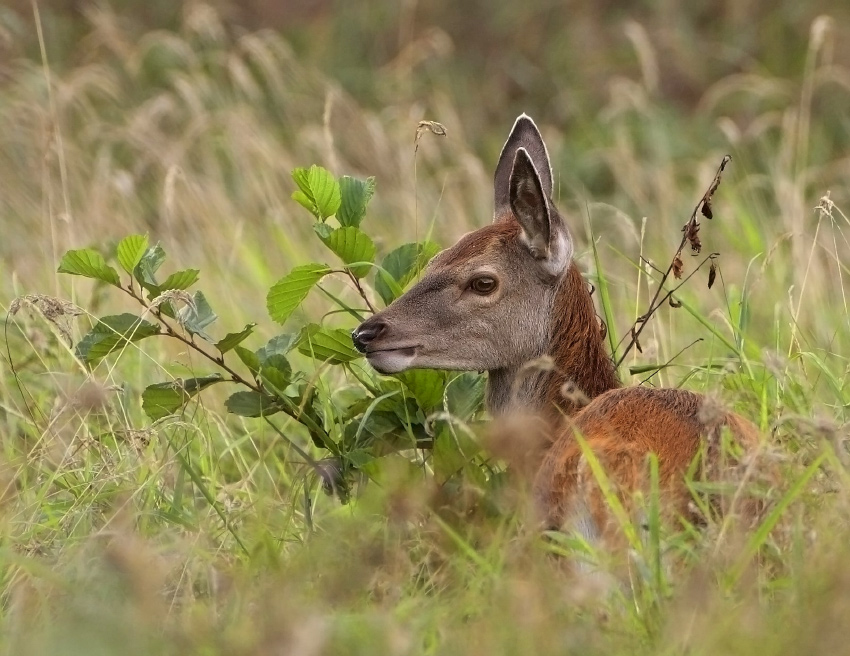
(678, 265)
(706, 209)
(712, 274)
(692, 234)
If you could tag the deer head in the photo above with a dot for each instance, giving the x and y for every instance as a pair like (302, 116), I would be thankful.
(487, 302)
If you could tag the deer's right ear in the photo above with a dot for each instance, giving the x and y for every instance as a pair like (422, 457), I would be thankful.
(524, 135)
(543, 232)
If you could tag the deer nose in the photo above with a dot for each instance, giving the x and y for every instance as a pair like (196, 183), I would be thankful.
(366, 332)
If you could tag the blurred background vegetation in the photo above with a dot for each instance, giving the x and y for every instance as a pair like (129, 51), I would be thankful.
(183, 120)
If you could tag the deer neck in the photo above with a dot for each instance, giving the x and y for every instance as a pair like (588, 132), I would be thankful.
(579, 370)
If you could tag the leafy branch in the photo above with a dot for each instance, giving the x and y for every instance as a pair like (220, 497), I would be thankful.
(375, 416)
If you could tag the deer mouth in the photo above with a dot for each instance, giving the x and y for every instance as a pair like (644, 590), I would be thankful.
(391, 360)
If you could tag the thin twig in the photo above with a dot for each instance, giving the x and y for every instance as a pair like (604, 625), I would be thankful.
(645, 317)
(651, 265)
(690, 234)
(670, 361)
(360, 290)
(171, 332)
(675, 289)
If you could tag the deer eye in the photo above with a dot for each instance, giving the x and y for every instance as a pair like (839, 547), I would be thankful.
(483, 285)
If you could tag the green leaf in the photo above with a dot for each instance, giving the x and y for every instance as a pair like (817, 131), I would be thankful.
(278, 345)
(198, 316)
(302, 179)
(251, 404)
(366, 429)
(645, 368)
(231, 340)
(426, 385)
(130, 251)
(303, 196)
(288, 292)
(325, 191)
(323, 230)
(327, 344)
(180, 280)
(145, 271)
(163, 399)
(317, 191)
(360, 458)
(402, 264)
(249, 359)
(352, 245)
(89, 264)
(465, 394)
(276, 373)
(355, 196)
(392, 401)
(448, 458)
(111, 333)
(305, 201)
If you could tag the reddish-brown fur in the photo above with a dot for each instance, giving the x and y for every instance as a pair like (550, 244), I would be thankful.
(622, 426)
(487, 239)
(577, 346)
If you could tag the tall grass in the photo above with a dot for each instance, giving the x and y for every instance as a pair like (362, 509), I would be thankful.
(205, 535)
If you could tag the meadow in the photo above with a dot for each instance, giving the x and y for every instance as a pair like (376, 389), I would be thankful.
(371, 514)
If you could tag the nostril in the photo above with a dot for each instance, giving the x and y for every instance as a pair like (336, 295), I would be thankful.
(358, 344)
(379, 329)
(366, 332)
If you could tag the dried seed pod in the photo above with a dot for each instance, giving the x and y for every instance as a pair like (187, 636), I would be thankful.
(674, 303)
(428, 126)
(677, 266)
(706, 209)
(692, 234)
(712, 274)
(432, 126)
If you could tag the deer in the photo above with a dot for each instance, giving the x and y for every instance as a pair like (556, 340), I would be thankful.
(508, 294)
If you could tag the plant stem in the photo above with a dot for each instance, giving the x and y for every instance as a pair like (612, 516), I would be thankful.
(655, 303)
(361, 291)
(219, 361)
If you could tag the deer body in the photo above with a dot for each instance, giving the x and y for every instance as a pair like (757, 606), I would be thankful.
(506, 295)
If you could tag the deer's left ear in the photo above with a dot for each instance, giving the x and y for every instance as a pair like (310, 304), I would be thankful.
(543, 231)
(524, 134)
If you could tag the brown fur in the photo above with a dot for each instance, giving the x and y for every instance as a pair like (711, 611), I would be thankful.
(622, 426)
(480, 242)
(577, 347)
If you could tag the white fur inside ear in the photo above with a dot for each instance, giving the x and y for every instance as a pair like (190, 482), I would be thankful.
(537, 245)
(556, 255)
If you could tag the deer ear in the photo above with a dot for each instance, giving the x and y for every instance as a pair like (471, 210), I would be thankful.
(525, 135)
(543, 232)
